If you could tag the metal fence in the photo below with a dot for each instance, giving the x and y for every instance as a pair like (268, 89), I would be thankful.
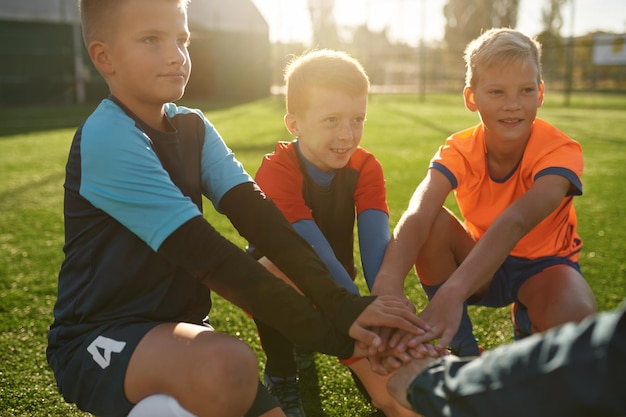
(594, 63)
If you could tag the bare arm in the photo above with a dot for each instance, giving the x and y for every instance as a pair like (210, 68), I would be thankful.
(443, 312)
(411, 232)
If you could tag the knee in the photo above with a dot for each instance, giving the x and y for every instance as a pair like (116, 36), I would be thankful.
(560, 300)
(447, 244)
(228, 379)
(439, 234)
(552, 315)
(234, 366)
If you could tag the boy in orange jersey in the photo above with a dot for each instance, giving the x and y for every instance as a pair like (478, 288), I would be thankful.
(514, 177)
(323, 182)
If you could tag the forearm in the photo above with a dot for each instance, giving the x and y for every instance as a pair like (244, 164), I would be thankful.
(373, 230)
(309, 230)
(264, 226)
(236, 276)
(411, 232)
(400, 256)
(486, 257)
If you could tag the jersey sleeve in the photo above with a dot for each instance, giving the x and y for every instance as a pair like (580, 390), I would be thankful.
(454, 159)
(559, 156)
(370, 191)
(372, 215)
(259, 221)
(280, 178)
(221, 171)
(309, 230)
(373, 230)
(122, 175)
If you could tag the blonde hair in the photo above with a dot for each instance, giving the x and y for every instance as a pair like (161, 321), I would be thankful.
(323, 68)
(98, 17)
(499, 46)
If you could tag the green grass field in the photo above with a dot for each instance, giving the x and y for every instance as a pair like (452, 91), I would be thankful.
(402, 131)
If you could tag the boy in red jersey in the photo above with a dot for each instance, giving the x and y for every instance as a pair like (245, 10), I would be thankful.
(514, 177)
(320, 181)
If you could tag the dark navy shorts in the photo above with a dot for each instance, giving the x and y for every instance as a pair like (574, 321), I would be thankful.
(512, 274)
(90, 371)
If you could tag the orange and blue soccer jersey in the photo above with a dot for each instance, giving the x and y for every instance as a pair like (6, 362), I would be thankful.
(481, 198)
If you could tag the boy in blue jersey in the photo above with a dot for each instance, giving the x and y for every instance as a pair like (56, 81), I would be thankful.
(140, 258)
(324, 183)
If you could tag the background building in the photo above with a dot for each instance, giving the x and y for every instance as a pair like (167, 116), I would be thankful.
(44, 60)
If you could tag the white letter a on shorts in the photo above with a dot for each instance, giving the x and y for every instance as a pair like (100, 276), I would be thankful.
(101, 349)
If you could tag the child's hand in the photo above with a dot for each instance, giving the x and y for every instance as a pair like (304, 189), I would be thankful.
(388, 361)
(385, 312)
(443, 313)
(385, 287)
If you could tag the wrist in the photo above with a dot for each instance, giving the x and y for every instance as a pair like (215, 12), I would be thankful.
(453, 291)
(385, 285)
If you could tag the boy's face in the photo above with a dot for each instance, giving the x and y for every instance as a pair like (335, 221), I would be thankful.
(330, 128)
(146, 61)
(507, 98)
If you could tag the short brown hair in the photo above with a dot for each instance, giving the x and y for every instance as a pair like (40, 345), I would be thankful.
(499, 46)
(98, 17)
(324, 68)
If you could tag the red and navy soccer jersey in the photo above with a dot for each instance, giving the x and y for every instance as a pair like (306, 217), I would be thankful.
(355, 188)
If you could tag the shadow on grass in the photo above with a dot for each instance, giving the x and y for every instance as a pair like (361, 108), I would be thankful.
(32, 119)
(310, 391)
(309, 383)
(13, 193)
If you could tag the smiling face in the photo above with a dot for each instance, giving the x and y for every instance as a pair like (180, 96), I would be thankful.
(507, 98)
(330, 127)
(145, 61)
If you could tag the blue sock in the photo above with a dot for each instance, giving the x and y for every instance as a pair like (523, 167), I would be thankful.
(464, 342)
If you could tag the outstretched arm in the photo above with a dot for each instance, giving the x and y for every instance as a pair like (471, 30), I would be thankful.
(198, 248)
(265, 227)
(443, 312)
(411, 232)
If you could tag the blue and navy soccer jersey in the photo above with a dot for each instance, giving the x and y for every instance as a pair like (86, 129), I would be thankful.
(128, 187)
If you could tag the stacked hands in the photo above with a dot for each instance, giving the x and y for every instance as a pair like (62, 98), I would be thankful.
(390, 335)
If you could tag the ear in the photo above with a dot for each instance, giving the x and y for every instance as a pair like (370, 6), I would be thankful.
(99, 54)
(470, 100)
(541, 92)
(291, 123)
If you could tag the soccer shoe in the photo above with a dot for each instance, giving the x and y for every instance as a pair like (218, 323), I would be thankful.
(521, 321)
(287, 393)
